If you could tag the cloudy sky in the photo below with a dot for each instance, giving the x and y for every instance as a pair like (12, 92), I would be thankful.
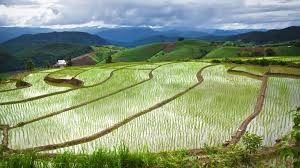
(224, 14)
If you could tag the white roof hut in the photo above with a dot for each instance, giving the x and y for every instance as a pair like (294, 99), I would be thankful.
(61, 63)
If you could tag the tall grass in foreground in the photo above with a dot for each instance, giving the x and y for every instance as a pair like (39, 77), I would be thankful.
(117, 158)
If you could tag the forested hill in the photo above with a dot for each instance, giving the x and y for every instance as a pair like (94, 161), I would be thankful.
(45, 48)
(282, 35)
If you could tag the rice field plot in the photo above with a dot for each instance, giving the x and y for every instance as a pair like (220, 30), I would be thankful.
(274, 121)
(285, 70)
(67, 73)
(94, 76)
(7, 86)
(167, 81)
(257, 70)
(39, 87)
(208, 114)
(40, 107)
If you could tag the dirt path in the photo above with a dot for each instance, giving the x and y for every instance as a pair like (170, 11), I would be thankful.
(258, 108)
(21, 124)
(4, 129)
(61, 92)
(115, 126)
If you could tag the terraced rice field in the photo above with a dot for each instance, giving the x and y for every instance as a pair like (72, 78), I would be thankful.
(161, 106)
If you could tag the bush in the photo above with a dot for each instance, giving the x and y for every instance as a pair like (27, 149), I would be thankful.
(180, 38)
(270, 52)
(30, 65)
(252, 142)
(108, 59)
(215, 61)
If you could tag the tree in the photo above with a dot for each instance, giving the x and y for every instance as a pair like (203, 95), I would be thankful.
(109, 59)
(180, 38)
(69, 61)
(297, 43)
(29, 65)
(270, 52)
(47, 64)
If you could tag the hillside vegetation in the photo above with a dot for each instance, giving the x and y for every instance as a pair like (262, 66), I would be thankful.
(45, 49)
(166, 51)
(223, 52)
(271, 36)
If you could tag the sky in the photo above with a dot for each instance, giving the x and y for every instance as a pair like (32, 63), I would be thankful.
(197, 14)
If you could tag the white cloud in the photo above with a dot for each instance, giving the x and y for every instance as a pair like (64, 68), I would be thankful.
(157, 13)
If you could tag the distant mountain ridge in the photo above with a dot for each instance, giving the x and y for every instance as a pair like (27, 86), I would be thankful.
(29, 40)
(271, 36)
(7, 33)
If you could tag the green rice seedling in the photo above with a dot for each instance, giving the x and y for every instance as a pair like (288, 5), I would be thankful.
(274, 121)
(67, 73)
(94, 76)
(167, 81)
(7, 86)
(32, 109)
(285, 70)
(39, 87)
(209, 114)
(257, 70)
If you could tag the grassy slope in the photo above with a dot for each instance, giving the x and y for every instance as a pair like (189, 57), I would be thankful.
(223, 52)
(183, 50)
(101, 53)
(139, 53)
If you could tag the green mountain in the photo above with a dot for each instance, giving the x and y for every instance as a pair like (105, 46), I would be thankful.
(271, 36)
(45, 48)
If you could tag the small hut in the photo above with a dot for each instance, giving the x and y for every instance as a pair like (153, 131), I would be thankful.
(60, 63)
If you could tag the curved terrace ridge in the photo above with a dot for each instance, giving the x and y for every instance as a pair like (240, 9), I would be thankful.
(117, 125)
(21, 124)
(61, 92)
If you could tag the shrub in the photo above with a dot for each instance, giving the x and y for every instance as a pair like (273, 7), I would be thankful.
(215, 61)
(108, 59)
(30, 65)
(252, 142)
(270, 52)
(180, 39)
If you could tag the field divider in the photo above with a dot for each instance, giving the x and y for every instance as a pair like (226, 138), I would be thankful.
(21, 124)
(4, 142)
(115, 126)
(283, 75)
(258, 108)
(243, 73)
(61, 92)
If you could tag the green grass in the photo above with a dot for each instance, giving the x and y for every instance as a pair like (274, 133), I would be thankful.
(183, 50)
(223, 52)
(141, 53)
